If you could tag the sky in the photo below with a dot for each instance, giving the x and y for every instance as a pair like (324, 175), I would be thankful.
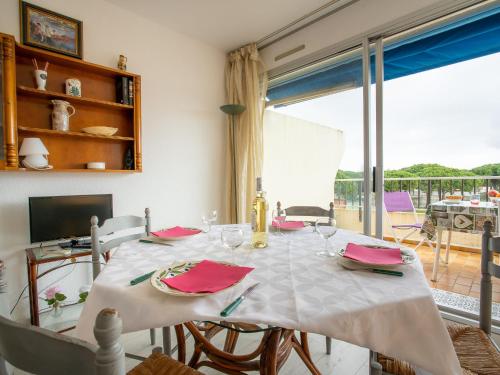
(449, 116)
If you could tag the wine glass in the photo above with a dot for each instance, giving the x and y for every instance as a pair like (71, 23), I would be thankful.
(209, 220)
(232, 237)
(278, 218)
(326, 229)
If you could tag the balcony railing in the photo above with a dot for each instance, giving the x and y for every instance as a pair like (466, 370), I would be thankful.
(423, 190)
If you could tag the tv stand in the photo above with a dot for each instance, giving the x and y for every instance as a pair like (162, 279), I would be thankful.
(44, 255)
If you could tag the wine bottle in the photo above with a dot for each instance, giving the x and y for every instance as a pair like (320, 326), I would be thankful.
(259, 218)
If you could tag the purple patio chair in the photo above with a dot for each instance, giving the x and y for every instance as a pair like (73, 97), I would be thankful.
(400, 201)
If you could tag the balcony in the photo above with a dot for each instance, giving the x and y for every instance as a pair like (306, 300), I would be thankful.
(462, 274)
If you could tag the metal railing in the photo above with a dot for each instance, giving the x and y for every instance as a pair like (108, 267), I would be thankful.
(423, 190)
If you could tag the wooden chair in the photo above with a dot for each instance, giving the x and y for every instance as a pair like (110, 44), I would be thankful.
(477, 352)
(43, 352)
(114, 226)
(308, 211)
(311, 211)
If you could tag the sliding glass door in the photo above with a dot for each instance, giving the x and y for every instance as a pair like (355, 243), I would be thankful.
(317, 139)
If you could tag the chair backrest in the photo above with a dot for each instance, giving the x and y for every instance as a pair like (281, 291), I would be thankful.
(312, 211)
(489, 246)
(43, 352)
(398, 201)
(114, 226)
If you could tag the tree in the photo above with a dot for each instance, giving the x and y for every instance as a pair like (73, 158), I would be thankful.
(487, 170)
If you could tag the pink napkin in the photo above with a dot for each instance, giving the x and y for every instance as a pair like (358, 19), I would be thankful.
(207, 277)
(176, 232)
(288, 224)
(374, 256)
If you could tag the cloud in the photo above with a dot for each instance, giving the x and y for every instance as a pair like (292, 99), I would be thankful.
(449, 116)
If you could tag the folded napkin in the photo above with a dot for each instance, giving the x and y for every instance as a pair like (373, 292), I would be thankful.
(208, 277)
(371, 255)
(176, 232)
(288, 224)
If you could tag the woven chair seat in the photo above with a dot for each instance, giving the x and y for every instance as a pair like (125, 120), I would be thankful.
(160, 364)
(476, 353)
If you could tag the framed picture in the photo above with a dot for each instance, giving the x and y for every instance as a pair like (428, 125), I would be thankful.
(49, 30)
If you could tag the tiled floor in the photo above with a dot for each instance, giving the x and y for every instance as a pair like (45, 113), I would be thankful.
(461, 275)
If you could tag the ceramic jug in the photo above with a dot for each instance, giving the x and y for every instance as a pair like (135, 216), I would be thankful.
(60, 115)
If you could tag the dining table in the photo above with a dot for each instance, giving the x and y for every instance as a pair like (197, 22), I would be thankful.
(298, 290)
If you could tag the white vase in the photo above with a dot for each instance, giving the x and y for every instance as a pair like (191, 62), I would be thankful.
(41, 79)
(73, 87)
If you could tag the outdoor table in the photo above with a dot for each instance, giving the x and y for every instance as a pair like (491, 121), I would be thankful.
(459, 217)
(298, 290)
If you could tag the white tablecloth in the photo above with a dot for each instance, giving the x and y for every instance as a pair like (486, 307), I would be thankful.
(298, 289)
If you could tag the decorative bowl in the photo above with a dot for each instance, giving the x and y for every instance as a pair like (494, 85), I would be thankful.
(96, 165)
(100, 130)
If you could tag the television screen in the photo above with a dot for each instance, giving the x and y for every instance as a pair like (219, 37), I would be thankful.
(54, 218)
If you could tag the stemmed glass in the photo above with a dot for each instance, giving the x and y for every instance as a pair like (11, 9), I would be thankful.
(278, 218)
(326, 230)
(232, 237)
(209, 220)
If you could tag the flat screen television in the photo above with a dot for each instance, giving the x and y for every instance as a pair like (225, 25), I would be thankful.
(54, 218)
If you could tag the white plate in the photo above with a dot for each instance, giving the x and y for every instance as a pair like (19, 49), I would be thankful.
(275, 229)
(406, 255)
(176, 269)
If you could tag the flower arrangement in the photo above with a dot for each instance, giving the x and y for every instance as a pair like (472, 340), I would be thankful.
(54, 297)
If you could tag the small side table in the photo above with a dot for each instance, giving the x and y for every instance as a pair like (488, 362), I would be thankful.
(457, 217)
(41, 255)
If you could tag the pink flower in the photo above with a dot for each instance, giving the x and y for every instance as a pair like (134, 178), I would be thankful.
(50, 293)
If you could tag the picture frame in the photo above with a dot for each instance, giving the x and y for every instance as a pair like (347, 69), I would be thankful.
(51, 31)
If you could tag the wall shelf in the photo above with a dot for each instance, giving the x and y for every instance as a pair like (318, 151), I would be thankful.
(72, 134)
(27, 111)
(23, 90)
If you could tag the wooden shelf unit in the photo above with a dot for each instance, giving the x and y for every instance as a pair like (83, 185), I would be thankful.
(23, 90)
(26, 111)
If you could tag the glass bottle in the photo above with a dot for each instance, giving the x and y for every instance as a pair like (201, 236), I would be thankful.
(259, 218)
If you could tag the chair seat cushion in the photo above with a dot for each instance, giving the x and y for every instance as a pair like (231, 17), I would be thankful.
(160, 364)
(476, 353)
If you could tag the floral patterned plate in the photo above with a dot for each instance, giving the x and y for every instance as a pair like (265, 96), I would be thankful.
(176, 269)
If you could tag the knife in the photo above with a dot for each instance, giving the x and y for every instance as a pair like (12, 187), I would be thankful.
(388, 272)
(155, 242)
(233, 305)
(142, 278)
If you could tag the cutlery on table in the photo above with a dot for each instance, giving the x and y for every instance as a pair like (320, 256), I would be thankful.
(233, 305)
(142, 278)
(155, 242)
(387, 272)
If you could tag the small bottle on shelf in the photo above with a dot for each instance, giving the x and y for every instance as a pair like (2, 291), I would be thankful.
(259, 218)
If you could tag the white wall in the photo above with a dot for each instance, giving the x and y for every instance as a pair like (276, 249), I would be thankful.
(351, 21)
(301, 159)
(183, 129)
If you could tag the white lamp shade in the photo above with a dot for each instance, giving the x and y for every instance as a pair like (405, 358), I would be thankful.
(33, 146)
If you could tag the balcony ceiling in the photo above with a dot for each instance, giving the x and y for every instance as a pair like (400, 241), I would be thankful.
(225, 24)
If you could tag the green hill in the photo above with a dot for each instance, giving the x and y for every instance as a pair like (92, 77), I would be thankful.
(430, 170)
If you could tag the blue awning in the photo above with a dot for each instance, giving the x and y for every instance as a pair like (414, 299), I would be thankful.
(465, 39)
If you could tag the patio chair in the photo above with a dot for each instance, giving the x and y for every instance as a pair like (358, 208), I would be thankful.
(400, 201)
(117, 226)
(43, 352)
(476, 351)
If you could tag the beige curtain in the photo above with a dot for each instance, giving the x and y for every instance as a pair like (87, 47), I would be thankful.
(246, 83)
